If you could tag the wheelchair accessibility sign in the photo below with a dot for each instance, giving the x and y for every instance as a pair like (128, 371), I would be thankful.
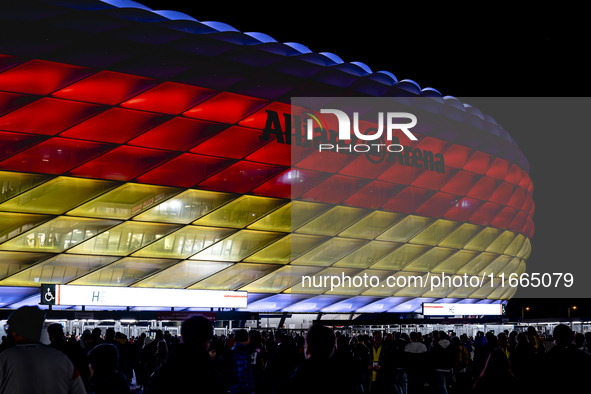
(49, 294)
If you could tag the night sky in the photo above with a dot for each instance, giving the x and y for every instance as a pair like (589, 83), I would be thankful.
(529, 64)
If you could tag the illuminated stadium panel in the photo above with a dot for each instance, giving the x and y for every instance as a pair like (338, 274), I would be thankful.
(115, 170)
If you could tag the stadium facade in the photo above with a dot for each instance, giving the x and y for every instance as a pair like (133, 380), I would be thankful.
(132, 154)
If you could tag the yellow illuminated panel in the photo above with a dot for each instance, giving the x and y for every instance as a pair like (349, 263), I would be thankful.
(334, 221)
(186, 207)
(59, 269)
(124, 272)
(498, 289)
(400, 278)
(290, 216)
(281, 279)
(445, 287)
(321, 282)
(515, 246)
(367, 255)
(58, 234)
(496, 266)
(481, 241)
(461, 236)
(405, 229)
(13, 183)
(433, 234)
(57, 195)
(429, 260)
(286, 249)
(184, 242)
(477, 264)
(11, 262)
(238, 246)
(183, 274)
(509, 293)
(235, 277)
(501, 243)
(452, 264)
(13, 224)
(525, 250)
(125, 201)
(520, 268)
(360, 282)
(466, 291)
(485, 289)
(124, 239)
(330, 252)
(401, 257)
(241, 212)
(372, 225)
(511, 267)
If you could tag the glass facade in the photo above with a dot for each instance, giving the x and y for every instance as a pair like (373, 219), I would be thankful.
(153, 176)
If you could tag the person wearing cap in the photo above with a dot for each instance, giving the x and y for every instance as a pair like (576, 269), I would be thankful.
(30, 367)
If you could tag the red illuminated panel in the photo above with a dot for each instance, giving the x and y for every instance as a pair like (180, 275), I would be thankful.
(514, 175)
(123, 163)
(290, 184)
(432, 180)
(517, 199)
(525, 180)
(407, 200)
(504, 218)
(184, 171)
(11, 101)
(115, 125)
(527, 203)
(259, 118)
(463, 210)
(519, 221)
(400, 174)
(432, 144)
(460, 183)
(280, 154)
(335, 189)
(437, 205)
(226, 108)
(479, 163)
(499, 169)
(363, 168)
(235, 142)
(530, 188)
(533, 209)
(54, 156)
(10, 143)
(169, 98)
(528, 228)
(48, 116)
(178, 134)
(456, 156)
(106, 87)
(533, 229)
(503, 193)
(41, 77)
(241, 177)
(485, 215)
(327, 161)
(483, 188)
(374, 195)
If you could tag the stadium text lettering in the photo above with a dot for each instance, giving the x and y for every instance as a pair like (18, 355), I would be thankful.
(290, 131)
